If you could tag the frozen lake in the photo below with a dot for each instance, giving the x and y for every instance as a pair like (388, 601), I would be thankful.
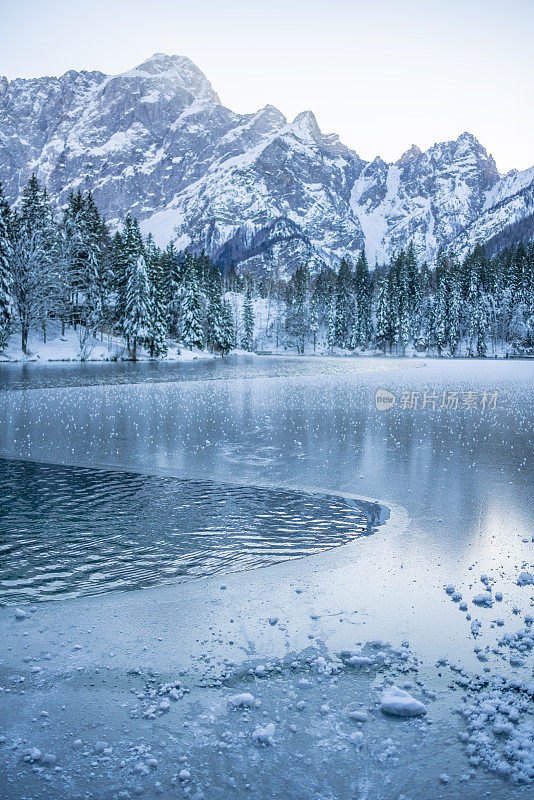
(314, 641)
(458, 462)
(298, 423)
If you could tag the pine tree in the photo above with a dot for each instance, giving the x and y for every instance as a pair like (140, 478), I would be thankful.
(137, 312)
(247, 341)
(441, 303)
(403, 306)
(344, 305)
(297, 320)
(227, 341)
(87, 256)
(314, 317)
(474, 305)
(454, 309)
(480, 325)
(414, 289)
(214, 315)
(362, 292)
(429, 322)
(440, 319)
(35, 207)
(173, 265)
(36, 278)
(331, 335)
(6, 300)
(191, 309)
(157, 331)
(382, 314)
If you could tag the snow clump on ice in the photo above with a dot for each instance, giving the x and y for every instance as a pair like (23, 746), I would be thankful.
(244, 700)
(483, 599)
(264, 735)
(399, 703)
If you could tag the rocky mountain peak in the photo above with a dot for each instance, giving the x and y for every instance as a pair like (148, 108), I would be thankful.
(248, 188)
(305, 126)
(411, 155)
(178, 71)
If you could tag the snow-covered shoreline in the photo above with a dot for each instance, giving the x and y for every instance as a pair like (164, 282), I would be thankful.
(66, 348)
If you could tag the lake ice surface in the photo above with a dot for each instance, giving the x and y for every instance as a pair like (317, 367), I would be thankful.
(459, 482)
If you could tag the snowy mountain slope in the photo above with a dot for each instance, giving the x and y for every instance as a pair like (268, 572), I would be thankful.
(252, 188)
(510, 201)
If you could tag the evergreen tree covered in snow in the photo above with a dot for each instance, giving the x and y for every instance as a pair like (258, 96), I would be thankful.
(159, 304)
(382, 335)
(297, 307)
(35, 272)
(331, 323)
(440, 305)
(344, 305)
(6, 299)
(362, 293)
(314, 319)
(247, 342)
(191, 310)
(214, 315)
(454, 309)
(227, 341)
(401, 302)
(138, 311)
(173, 268)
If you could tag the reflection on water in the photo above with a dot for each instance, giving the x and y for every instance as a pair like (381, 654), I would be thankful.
(68, 531)
(55, 375)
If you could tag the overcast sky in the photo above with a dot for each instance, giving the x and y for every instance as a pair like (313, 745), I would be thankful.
(382, 74)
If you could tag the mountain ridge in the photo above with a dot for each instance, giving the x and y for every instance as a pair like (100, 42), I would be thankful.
(156, 141)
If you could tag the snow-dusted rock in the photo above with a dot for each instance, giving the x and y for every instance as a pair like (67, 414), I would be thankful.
(358, 716)
(400, 703)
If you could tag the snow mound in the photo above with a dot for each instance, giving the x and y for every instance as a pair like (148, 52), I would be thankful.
(399, 703)
(483, 599)
(264, 735)
(244, 700)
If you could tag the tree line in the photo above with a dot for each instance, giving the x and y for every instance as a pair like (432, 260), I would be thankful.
(474, 307)
(67, 267)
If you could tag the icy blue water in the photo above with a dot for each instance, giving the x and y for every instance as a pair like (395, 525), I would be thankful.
(67, 531)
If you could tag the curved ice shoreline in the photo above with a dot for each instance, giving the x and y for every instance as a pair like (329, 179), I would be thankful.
(168, 529)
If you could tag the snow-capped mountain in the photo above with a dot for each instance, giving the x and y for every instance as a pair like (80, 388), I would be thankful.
(250, 188)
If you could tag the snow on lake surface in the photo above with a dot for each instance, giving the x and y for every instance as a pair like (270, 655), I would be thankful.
(317, 642)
